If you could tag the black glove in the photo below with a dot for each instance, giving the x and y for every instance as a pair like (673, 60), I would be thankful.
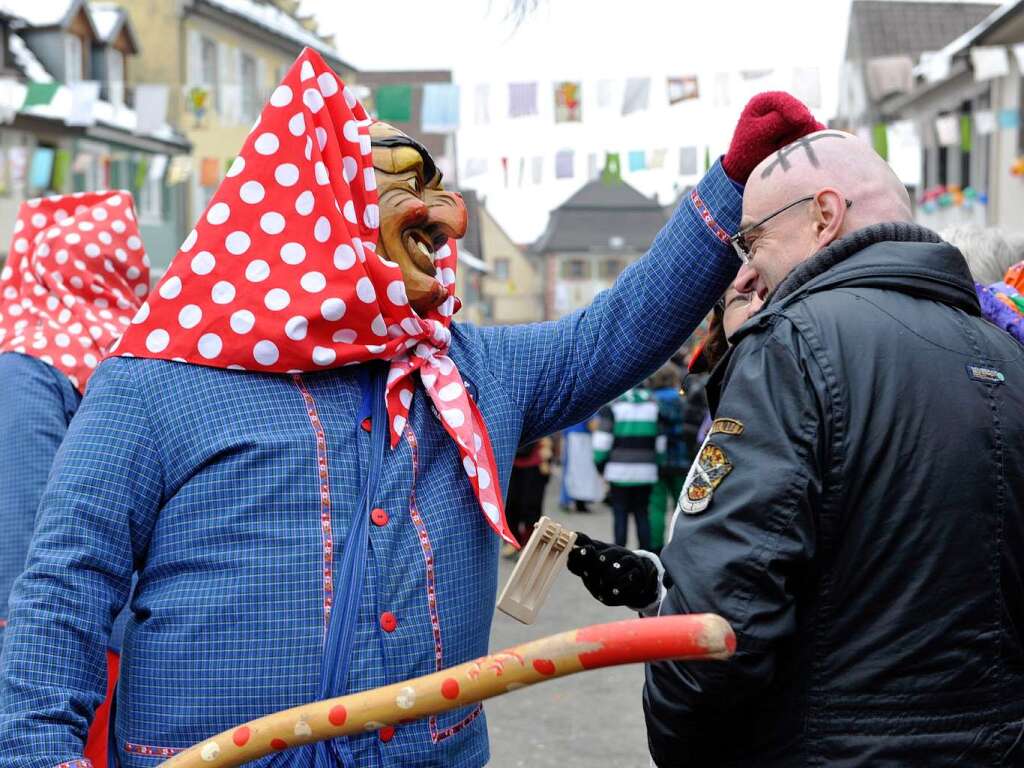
(614, 575)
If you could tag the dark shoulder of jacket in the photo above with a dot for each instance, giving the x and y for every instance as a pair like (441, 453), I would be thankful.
(749, 335)
(782, 325)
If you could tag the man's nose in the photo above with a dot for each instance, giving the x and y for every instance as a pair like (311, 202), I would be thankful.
(447, 212)
(746, 279)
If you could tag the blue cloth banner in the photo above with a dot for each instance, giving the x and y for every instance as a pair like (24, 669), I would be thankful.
(440, 108)
(41, 170)
(1009, 118)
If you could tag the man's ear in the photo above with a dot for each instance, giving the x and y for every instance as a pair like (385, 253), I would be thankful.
(829, 215)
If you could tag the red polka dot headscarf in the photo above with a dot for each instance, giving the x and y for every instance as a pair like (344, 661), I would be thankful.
(76, 273)
(281, 272)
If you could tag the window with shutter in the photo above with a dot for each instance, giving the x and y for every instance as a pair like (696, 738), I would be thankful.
(195, 59)
(151, 200)
(576, 269)
(610, 268)
(209, 71)
(228, 94)
(250, 88)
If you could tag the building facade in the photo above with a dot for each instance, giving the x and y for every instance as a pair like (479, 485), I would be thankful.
(590, 239)
(885, 40)
(221, 60)
(514, 287)
(497, 282)
(440, 145)
(991, 162)
(889, 48)
(83, 132)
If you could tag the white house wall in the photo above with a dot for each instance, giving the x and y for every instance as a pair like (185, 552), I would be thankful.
(1007, 192)
(570, 294)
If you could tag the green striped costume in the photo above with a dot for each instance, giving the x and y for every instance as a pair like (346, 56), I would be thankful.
(627, 442)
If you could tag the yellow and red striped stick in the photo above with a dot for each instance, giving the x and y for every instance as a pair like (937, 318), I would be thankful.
(694, 637)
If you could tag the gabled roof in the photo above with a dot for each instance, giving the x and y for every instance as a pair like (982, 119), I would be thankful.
(597, 194)
(602, 216)
(27, 62)
(900, 28)
(1000, 27)
(120, 118)
(110, 19)
(676, 200)
(42, 14)
(278, 22)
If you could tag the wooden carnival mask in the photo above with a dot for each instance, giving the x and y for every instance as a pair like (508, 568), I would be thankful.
(417, 214)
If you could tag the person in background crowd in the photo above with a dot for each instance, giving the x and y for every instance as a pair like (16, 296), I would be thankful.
(1016, 242)
(531, 469)
(581, 482)
(985, 249)
(628, 577)
(672, 424)
(731, 311)
(629, 449)
(998, 275)
(76, 274)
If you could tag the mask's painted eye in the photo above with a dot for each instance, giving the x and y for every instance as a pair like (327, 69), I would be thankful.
(413, 183)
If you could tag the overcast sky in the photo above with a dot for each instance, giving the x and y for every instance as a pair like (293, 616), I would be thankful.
(588, 40)
(588, 37)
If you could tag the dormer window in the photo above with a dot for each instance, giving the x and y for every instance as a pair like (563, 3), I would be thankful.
(73, 58)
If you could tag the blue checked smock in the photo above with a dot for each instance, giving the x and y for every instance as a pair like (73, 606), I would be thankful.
(232, 494)
(37, 403)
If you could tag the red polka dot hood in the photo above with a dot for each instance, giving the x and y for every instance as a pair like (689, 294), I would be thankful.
(76, 273)
(281, 273)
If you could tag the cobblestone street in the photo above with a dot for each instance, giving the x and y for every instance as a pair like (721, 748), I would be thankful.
(588, 720)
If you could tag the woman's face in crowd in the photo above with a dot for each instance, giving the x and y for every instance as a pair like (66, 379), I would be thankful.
(739, 307)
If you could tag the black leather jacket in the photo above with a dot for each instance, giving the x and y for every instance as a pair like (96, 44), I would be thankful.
(863, 531)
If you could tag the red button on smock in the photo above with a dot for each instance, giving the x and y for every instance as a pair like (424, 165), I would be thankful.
(386, 734)
(388, 622)
(379, 517)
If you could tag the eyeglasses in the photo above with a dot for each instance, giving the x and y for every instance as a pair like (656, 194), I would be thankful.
(721, 305)
(740, 245)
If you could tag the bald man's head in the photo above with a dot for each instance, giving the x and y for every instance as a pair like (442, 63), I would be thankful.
(847, 186)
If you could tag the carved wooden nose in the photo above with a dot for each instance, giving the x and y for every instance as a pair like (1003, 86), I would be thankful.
(447, 212)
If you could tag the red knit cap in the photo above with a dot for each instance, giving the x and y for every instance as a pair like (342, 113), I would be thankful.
(770, 121)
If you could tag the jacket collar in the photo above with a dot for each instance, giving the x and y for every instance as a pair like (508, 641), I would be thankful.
(922, 265)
